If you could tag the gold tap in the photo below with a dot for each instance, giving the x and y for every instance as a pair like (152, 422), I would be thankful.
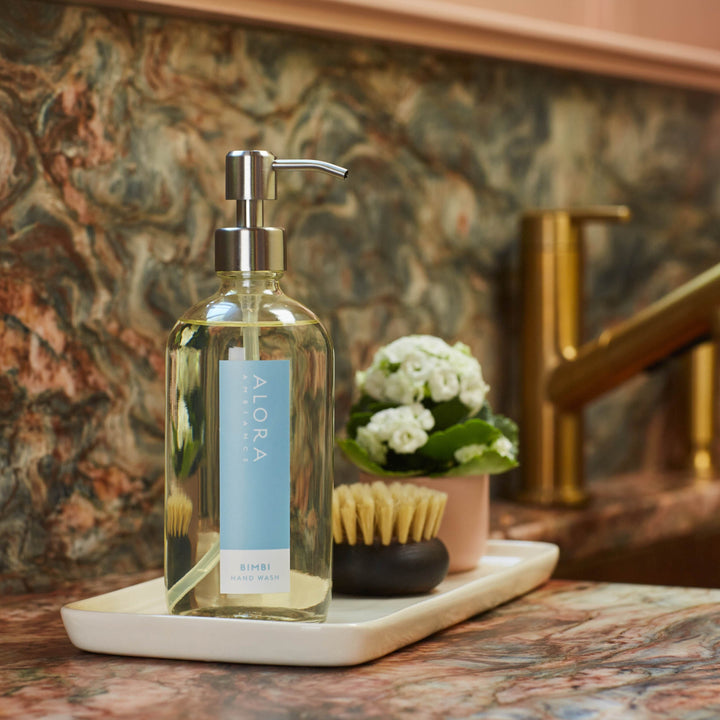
(560, 374)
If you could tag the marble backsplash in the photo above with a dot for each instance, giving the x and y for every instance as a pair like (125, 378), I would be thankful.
(113, 132)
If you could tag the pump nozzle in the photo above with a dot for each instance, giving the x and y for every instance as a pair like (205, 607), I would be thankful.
(327, 167)
(250, 179)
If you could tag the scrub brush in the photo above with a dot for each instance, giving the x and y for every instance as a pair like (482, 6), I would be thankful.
(385, 539)
(178, 551)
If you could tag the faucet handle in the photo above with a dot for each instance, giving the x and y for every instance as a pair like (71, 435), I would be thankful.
(592, 213)
(599, 213)
(563, 227)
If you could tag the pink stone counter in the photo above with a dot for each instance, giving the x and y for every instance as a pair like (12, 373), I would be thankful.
(566, 650)
(643, 527)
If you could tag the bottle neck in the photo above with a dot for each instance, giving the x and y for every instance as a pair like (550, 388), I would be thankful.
(250, 283)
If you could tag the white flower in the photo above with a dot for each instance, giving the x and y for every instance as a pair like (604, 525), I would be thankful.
(385, 422)
(417, 366)
(464, 365)
(461, 347)
(372, 444)
(187, 371)
(408, 439)
(431, 345)
(183, 430)
(396, 351)
(187, 334)
(374, 383)
(443, 384)
(402, 428)
(473, 391)
(401, 388)
(502, 446)
(423, 416)
(468, 452)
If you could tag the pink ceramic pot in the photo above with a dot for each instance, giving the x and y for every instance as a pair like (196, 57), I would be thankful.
(465, 525)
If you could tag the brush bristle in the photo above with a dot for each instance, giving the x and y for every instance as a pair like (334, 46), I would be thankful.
(178, 513)
(400, 511)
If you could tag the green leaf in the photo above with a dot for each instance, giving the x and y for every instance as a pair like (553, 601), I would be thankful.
(485, 413)
(508, 428)
(199, 338)
(194, 401)
(447, 413)
(187, 457)
(505, 425)
(370, 404)
(357, 420)
(442, 445)
(490, 462)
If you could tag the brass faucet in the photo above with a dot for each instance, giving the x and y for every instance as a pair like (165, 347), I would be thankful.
(560, 374)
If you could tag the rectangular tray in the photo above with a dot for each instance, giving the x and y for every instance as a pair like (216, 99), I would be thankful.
(135, 621)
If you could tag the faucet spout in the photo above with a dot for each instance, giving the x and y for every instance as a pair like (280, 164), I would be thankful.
(680, 320)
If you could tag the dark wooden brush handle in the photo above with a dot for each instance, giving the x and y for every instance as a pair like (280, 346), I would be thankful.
(385, 570)
(177, 563)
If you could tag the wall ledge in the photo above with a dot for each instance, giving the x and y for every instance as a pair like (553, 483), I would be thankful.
(467, 26)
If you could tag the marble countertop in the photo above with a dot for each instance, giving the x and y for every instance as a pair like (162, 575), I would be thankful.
(569, 649)
(628, 511)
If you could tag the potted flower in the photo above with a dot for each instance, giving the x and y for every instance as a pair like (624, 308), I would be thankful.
(422, 414)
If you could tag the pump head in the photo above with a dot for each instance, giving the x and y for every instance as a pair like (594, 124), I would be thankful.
(250, 179)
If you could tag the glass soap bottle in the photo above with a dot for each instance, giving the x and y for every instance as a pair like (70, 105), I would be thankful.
(249, 428)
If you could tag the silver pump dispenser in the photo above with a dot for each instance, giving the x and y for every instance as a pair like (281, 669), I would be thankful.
(250, 179)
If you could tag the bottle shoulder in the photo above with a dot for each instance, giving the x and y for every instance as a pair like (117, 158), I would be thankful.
(231, 308)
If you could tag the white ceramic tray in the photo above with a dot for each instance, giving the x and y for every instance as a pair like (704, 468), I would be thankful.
(134, 620)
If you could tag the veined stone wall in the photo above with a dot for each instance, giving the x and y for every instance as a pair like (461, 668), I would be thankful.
(113, 132)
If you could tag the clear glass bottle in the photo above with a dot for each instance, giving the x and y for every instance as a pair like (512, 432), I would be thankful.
(249, 430)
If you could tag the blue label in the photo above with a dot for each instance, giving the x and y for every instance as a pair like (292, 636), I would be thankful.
(254, 427)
